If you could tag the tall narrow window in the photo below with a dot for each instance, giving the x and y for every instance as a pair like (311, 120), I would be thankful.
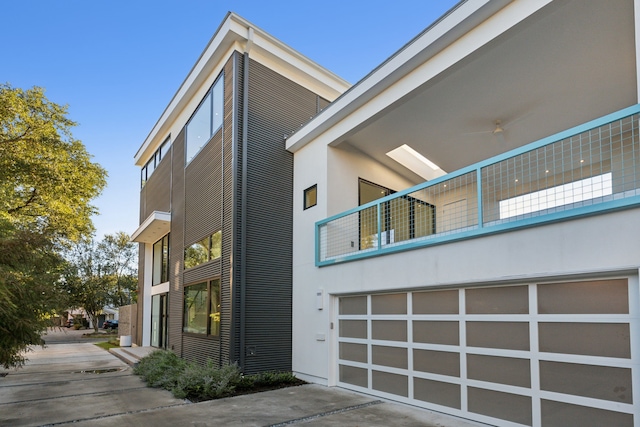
(161, 261)
(206, 120)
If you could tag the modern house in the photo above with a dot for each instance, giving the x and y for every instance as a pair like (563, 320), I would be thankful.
(467, 219)
(216, 202)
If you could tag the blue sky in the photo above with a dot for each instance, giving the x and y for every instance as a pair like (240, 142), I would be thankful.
(118, 63)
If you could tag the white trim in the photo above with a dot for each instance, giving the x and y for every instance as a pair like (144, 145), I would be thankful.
(161, 288)
(233, 34)
(146, 296)
(153, 228)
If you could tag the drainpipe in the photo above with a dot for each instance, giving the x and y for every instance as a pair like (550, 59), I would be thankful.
(243, 200)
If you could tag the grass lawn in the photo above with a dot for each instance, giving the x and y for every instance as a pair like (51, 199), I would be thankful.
(107, 345)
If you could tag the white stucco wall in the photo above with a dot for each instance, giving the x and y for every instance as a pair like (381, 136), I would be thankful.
(605, 244)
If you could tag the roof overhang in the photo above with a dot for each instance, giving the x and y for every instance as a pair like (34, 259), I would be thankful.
(153, 228)
(532, 64)
(236, 33)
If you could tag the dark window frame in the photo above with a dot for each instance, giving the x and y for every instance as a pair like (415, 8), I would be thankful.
(164, 268)
(306, 206)
(212, 130)
(211, 331)
(209, 248)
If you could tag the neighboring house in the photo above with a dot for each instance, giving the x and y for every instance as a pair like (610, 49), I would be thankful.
(497, 280)
(216, 202)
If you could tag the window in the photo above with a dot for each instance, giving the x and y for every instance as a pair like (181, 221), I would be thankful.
(402, 218)
(161, 261)
(202, 308)
(572, 192)
(311, 196)
(203, 251)
(152, 164)
(206, 120)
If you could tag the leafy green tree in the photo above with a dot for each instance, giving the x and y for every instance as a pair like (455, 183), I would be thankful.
(101, 274)
(121, 256)
(47, 182)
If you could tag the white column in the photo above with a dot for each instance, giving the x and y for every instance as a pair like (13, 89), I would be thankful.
(146, 300)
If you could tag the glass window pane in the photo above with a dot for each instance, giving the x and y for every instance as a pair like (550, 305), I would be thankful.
(353, 305)
(500, 300)
(216, 245)
(435, 302)
(196, 254)
(157, 262)
(165, 258)
(437, 392)
(215, 307)
(389, 304)
(195, 309)
(310, 197)
(594, 297)
(218, 104)
(199, 129)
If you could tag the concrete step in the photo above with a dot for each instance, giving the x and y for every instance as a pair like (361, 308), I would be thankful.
(131, 355)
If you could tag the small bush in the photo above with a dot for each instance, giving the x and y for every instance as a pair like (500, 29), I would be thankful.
(160, 369)
(206, 382)
(189, 380)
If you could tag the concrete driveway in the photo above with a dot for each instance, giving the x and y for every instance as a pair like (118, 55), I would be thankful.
(74, 381)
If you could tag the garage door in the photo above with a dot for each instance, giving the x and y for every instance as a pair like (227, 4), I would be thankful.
(545, 354)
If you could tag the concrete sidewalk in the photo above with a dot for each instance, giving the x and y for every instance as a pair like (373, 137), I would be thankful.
(82, 384)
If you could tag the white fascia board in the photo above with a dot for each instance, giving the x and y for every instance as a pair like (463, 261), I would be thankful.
(152, 228)
(233, 34)
(471, 25)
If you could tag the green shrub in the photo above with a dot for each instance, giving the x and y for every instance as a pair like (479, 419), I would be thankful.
(206, 382)
(160, 369)
(189, 380)
(266, 380)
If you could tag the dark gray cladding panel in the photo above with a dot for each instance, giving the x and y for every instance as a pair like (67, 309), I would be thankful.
(203, 192)
(176, 243)
(232, 125)
(158, 188)
(276, 106)
(202, 272)
(200, 349)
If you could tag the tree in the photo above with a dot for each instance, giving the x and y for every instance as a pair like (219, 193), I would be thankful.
(120, 255)
(101, 274)
(47, 181)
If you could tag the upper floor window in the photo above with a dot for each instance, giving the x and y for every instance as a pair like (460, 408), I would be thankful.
(203, 251)
(161, 261)
(310, 196)
(206, 120)
(154, 161)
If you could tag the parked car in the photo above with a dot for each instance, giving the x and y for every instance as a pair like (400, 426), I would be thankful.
(110, 324)
(69, 323)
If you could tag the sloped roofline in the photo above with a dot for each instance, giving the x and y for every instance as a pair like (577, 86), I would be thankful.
(443, 32)
(234, 30)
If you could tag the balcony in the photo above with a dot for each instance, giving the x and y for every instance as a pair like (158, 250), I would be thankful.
(590, 169)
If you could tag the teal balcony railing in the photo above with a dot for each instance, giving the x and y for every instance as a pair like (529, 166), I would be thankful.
(589, 169)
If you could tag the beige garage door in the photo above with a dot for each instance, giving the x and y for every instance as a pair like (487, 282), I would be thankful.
(552, 354)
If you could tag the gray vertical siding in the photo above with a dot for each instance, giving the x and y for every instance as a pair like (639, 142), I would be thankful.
(176, 245)
(208, 208)
(276, 105)
(232, 131)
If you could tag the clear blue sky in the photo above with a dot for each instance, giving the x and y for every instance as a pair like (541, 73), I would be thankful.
(118, 63)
